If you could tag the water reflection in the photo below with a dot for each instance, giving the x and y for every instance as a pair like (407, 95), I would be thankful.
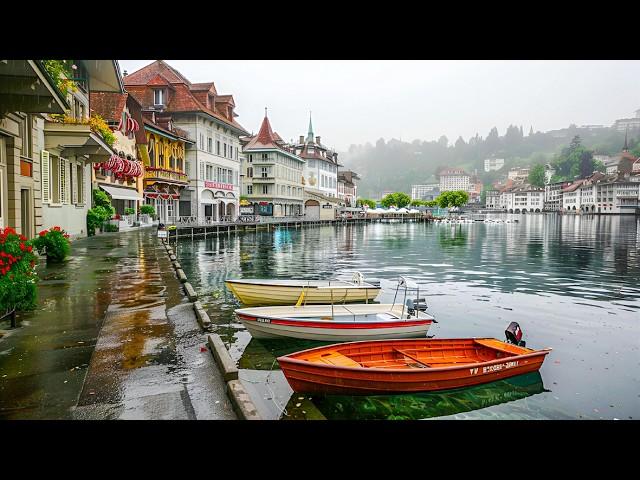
(425, 405)
(572, 282)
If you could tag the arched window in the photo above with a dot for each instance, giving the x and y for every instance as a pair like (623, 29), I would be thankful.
(161, 155)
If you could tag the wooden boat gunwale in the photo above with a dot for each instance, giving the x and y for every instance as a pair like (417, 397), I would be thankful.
(344, 285)
(421, 371)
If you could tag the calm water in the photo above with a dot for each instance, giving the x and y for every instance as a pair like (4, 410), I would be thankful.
(572, 283)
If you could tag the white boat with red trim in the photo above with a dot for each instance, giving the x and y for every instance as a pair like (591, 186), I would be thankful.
(337, 323)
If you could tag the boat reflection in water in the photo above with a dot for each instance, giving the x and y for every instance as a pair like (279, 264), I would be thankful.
(423, 405)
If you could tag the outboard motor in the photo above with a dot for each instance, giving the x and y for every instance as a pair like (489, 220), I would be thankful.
(420, 305)
(514, 334)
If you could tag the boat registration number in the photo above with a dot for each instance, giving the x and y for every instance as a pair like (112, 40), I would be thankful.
(494, 368)
(263, 320)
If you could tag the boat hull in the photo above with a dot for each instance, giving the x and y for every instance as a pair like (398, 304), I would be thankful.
(309, 377)
(339, 323)
(257, 294)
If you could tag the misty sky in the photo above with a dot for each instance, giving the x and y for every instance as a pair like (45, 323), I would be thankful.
(357, 101)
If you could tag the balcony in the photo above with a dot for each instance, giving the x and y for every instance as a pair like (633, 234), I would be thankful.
(268, 179)
(154, 173)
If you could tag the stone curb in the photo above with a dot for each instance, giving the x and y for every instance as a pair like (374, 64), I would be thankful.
(176, 265)
(203, 316)
(243, 406)
(169, 251)
(173, 258)
(222, 358)
(181, 276)
(191, 293)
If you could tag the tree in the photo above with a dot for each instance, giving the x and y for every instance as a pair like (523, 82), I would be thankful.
(536, 175)
(452, 198)
(397, 199)
(417, 203)
(365, 201)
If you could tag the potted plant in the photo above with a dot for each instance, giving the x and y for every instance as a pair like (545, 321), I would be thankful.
(53, 243)
(17, 274)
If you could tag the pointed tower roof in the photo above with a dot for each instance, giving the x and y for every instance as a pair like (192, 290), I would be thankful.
(265, 138)
(310, 132)
(626, 145)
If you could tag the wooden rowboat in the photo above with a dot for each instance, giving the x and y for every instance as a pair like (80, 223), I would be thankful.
(336, 322)
(402, 366)
(254, 291)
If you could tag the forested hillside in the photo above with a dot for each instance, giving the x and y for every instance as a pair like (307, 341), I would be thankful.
(396, 165)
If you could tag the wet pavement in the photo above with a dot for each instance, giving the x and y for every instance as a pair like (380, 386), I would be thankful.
(113, 338)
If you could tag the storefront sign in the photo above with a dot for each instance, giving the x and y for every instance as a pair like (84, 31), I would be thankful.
(218, 186)
(163, 234)
(327, 206)
(246, 210)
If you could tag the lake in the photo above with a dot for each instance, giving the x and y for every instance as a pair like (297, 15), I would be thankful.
(571, 282)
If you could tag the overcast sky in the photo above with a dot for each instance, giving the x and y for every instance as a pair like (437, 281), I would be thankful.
(359, 101)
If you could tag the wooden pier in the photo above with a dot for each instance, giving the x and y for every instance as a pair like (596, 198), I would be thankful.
(193, 231)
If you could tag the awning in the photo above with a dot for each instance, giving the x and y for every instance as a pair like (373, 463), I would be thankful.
(119, 193)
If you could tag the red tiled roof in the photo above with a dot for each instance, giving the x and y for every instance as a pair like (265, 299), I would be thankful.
(265, 137)
(108, 105)
(204, 87)
(145, 74)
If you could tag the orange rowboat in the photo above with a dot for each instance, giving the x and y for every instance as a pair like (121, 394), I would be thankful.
(403, 366)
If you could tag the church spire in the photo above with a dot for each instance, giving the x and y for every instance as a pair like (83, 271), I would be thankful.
(626, 146)
(310, 132)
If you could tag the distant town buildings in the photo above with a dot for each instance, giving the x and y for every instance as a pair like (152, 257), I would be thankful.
(426, 192)
(628, 124)
(518, 174)
(492, 164)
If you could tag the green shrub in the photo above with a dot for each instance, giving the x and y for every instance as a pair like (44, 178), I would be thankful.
(17, 276)
(129, 211)
(101, 199)
(97, 216)
(53, 243)
(109, 227)
(147, 210)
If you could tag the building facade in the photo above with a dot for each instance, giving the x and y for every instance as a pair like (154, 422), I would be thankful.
(518, 174)
(321, 164)
(454, 179)
(121, 176)
(272, 174)
(522, 198)
(347, 188)
(212, 162)
(425, 192)
(553, 196)
(21, 140)
(493, 164)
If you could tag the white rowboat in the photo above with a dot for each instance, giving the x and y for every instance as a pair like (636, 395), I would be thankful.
(337, 323)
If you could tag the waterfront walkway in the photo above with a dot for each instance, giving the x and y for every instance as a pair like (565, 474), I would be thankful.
(113, 338)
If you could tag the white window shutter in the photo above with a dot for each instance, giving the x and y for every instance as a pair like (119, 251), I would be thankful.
(202, 171)
(77, 186)
(44, 176)
(63, 180)
(81, 184)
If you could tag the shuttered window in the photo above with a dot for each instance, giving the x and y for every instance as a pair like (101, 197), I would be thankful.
(81, 190)
(202, 171)
(63, 181)
(44, 175)
(73, 174)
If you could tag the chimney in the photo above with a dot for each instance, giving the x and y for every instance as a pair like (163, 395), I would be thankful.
(301, 139)
(318, 140)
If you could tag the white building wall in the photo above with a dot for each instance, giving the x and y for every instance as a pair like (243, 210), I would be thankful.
(321, 175)
(454, 182)
(201, 128)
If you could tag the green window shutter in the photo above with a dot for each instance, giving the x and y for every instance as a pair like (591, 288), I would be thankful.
(62, 170)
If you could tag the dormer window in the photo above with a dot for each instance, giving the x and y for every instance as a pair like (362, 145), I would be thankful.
(158, 97)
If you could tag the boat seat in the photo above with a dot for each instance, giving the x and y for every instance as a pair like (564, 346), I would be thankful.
(335, 358)
(385, 317)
